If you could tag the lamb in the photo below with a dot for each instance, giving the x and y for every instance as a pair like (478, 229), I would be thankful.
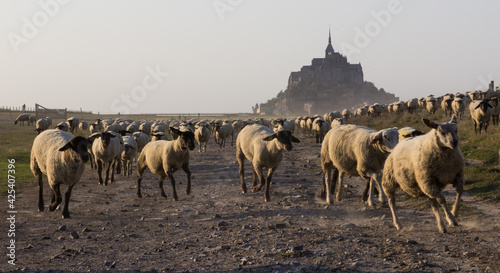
(83, 126)
(202, 134)
(73, 124)
(106, 148)
(458, 107)
(222, 132)
(21, 119)
(264, 149)
(129, 152)
(63, 126)
(481, 112)
(163, 158)
(62, 157)
(423, 166)
(355, 151)
(41, 125)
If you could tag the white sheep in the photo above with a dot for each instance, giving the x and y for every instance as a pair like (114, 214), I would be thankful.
(481, 112)
(202, 134)
(446, 105)
(128, 154)
(106, 149)
(458, 107)
(49, 120)
(141, 139)
(431, 104)
(22, 118)
(264, 149)
(41, 125)
(412, 105)
(355, 151)
(320, 129)
(423, 166)
(163, 158)
(61, 157)
(94, 128)
(346, 114)
(337, 122)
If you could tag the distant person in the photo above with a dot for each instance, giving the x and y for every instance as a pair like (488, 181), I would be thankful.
(24, 107)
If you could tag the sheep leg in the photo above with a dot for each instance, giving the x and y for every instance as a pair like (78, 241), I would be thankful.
(435, 209)
(113, 165)
(57, 194)
(376, 179)
(254, 179)
(172, 182)
(268, 183)
(392, 205)
(67, 195)
(99, 171)
(40, 189)
(327, 181)
(160, 185)
(185, 167)
(262, 181)
(240, 158)
(459, 186)
(339, 186)
(108, 166)
(452, 221)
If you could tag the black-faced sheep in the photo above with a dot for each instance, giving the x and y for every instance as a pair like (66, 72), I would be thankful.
(264, 149)
(481, 112)
(163, 158)
(106, 148)
(423, 166)
(61, 156)
(21, 119)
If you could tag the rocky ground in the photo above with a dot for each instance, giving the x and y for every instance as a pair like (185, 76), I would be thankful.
(219, 229)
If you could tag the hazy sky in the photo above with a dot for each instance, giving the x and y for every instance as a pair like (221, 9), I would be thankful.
(226, 55)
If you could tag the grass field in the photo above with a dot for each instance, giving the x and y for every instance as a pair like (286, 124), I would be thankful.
(480, 150)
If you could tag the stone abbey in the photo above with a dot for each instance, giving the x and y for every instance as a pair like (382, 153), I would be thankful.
(328, 84)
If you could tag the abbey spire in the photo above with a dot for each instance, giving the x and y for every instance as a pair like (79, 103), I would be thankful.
(329, 48)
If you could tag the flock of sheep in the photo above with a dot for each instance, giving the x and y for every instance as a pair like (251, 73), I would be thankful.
(420, 164)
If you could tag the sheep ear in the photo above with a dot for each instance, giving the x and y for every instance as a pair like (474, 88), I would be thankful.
(376, 139)
(430, 124)
(294, 139)
(477, 106)
(269, 138)
(175, 131)
(95, 135)
(65, 147)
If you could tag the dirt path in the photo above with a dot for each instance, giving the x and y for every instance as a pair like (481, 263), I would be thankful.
(219, 229)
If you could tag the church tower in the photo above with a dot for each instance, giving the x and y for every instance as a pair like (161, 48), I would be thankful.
(329, 49)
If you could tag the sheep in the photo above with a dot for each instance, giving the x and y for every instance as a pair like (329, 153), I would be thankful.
(458, 107)
(145, 127)
(375, 110)
(61, 157)
(496, 110)
(355, 151)
(113, 128)
(163, 158)
(481, 112)
(412, 105)
(83, 126)
(63, 126)
(129, 152)
(284, 124)
(222, 132)
(49, 120)
(320, 128)
(159, 136)
(346, 114)
(73, 124)
(94, 128)
(407, 132)
(237, 125)
(31, 120)
(41, 125)
(431, 105)
(106, 148)
(337, 122)
(21, 119)
(264, 149)
(141, 139)
(446, 105)
(202, 134)
(399, 107)
(423, 166)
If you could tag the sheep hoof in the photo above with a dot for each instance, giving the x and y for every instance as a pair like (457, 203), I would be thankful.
(139, 195)
(66, 216)
(164, 195)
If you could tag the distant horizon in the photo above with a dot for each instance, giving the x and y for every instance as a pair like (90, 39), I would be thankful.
(225, 56)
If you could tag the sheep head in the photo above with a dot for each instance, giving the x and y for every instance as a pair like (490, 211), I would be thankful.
(79, 145)
(186, 138)
(386, 138)
(446, 134)
(285, 139)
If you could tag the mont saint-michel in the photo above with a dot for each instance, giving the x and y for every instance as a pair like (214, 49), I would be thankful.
(327, 84)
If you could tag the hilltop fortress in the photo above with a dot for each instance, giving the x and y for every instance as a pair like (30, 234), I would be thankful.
(328, 84)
